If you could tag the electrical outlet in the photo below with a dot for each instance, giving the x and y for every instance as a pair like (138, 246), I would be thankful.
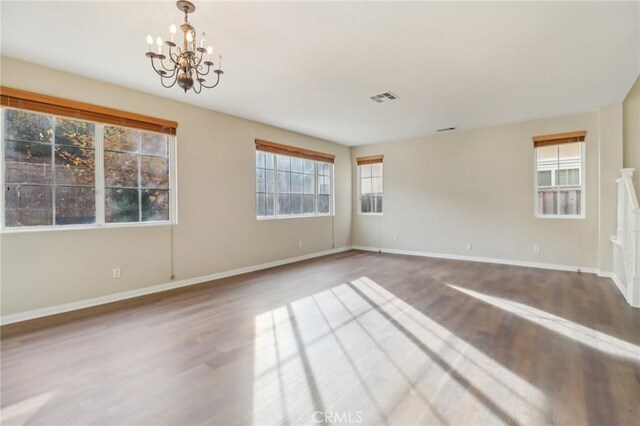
(116, 272)
(469, 246)
(536, 248)
(300, 243)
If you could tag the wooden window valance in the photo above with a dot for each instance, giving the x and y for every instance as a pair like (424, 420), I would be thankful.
(371, 159)
(559, 138)
(21, 99)
(292, 151)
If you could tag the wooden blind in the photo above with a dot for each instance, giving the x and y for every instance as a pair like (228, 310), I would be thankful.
(559, 138)
(372, 159)
(277, 148)
(21, 99)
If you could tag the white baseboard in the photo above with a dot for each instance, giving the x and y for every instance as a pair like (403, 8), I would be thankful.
(483, 259)
(87, 303)
(618, 284)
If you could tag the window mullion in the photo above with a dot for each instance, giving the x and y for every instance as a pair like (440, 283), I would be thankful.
(173, 179)
(583, 187)
(359, 172)
(289, 195)
(381, 188)
(332, 196)
(315, 187)
(557, 182)
(100, 190)
(4, 189)
(372, 197)
(139, 177)
(275, 185)
(53, 173)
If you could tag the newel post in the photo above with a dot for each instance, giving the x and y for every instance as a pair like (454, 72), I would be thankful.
(633, 287)
(623, 202)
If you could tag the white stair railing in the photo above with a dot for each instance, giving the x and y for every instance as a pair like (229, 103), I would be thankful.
(626, 257)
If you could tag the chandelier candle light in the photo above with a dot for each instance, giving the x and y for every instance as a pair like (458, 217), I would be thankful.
(186, 65)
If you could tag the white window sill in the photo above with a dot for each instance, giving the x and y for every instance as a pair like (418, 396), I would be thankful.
(370, 214)
(559, 216)
(29, 229)
(298, 216)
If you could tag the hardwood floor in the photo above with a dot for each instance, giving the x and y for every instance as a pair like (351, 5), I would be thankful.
(354, 337)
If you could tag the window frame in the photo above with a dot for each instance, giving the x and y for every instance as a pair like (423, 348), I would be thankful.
(315, 189)
(359, 173)
(583, 188)
(100, 184)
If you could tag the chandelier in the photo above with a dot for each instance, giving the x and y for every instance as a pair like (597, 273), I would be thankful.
(184, 65)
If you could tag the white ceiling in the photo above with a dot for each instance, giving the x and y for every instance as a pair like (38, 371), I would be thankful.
(311, 66)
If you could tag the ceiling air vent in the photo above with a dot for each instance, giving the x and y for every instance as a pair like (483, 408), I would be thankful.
(386, 96)
(446, 129)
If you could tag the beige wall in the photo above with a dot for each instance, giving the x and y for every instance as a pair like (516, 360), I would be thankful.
(609, 163)
(477, 186)
(217, 229)
(631, 106)
(441, 192)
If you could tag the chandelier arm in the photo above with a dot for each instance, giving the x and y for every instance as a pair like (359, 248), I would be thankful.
(153, 65)
(211, 87)
(159, 72)
(208, 64)
(204, 74)
(172, 58)
(207, 72)
(173, 74)
(175, 80)
(197, 61)
(197, 91)
(168, 69)
(175, 57)
(198, 75)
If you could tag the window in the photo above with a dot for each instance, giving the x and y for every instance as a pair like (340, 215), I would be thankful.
(49, 170)
(136, 172)
(61, 171)
(370, 184)
(559, 175)
(292, 182)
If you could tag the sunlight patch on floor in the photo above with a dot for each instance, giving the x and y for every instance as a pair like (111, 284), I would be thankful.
(356, 349)
(495, 391)
(585, 335)
(278, 390)
(21, 412)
